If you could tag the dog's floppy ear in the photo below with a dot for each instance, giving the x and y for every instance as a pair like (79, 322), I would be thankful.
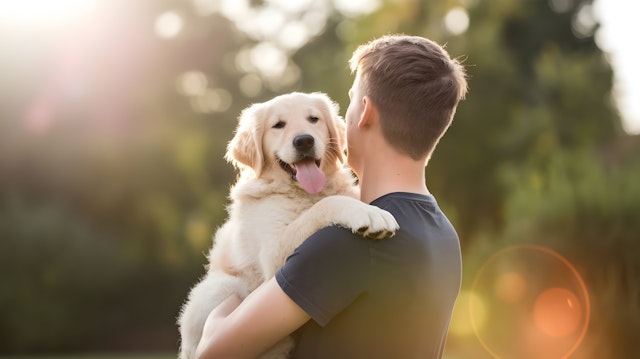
(337, 127)
(245, 148)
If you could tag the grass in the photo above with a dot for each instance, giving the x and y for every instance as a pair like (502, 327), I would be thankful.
(99, 356)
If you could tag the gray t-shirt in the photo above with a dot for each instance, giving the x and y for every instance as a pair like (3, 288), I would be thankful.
(389, 298)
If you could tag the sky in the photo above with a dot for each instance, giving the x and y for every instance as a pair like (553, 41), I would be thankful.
(617, 36)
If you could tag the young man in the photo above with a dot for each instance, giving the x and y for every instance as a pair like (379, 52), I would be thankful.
(369, 299)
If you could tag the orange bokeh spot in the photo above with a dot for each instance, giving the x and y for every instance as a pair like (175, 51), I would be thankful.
(535, 304)
(557, 312)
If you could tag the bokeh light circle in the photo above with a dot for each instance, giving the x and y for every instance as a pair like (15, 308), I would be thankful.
(557, 312)
(535, 304)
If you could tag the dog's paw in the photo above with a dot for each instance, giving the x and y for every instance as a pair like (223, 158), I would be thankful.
(380, 224)
(361, 218)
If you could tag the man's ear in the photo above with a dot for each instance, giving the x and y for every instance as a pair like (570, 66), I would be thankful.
(369, 114)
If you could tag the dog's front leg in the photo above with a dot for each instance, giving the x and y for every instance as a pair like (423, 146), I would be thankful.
(361, 218)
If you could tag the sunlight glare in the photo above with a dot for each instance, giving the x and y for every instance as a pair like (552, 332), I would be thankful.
(315, 21)
(354, 8)
(584, 23)
(269, 59)
(192, 83)
(234, 10)
(292, 6)
(616, 35)
(212, 100)
(37, 14)
(456, 21)
(250, 85)
(293, 35)
(168, 25)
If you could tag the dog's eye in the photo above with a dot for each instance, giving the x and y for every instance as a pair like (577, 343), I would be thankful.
(313, 119)
(279, 124)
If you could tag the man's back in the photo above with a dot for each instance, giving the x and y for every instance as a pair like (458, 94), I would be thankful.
(377, 299)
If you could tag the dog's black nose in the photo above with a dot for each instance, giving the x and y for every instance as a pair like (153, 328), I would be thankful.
(303, 142)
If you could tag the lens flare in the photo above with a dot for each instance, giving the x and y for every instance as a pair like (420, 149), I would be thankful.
(535, 304)
(557, 312)
(510, 287)
(461, 321)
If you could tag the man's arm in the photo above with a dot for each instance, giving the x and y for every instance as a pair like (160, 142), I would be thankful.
(245, 329)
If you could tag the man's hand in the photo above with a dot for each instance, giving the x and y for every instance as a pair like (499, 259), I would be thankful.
(246, 329)
(215, 320)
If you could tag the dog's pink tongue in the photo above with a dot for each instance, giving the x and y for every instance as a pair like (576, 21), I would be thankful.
(310, 176)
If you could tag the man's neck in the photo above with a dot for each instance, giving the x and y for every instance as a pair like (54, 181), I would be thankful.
(389, 172)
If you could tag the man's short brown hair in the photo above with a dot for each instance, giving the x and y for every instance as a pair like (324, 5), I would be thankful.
(415, 86)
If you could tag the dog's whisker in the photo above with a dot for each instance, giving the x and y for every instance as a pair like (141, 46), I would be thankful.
(333, 149)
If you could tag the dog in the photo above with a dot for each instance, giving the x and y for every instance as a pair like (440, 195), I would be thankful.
(292, 181)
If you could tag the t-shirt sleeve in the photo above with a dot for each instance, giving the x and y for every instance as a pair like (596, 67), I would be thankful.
(326, 273)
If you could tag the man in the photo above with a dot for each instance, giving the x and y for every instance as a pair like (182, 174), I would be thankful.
(369, 299)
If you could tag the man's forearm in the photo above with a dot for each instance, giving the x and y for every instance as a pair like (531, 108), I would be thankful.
(243, 329)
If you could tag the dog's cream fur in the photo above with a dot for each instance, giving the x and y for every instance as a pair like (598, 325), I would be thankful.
(270, 213)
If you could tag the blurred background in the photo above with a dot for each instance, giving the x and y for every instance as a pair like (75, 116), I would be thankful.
(115, 114)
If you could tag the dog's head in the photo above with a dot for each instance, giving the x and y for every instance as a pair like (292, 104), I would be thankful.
(298, 135)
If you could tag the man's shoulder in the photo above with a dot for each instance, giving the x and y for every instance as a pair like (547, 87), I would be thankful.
(332, 237)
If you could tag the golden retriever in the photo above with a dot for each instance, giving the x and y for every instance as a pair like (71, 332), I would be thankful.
(292, 182)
